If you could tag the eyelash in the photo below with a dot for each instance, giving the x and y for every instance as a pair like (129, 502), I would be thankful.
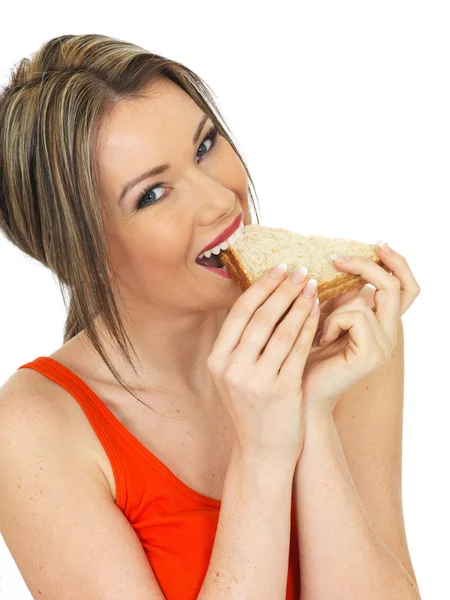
(210, 135)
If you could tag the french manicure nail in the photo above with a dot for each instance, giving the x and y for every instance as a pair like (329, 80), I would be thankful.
(278, 271)
(340, 257)
(299, 275)
(383, 245)
(315, 308)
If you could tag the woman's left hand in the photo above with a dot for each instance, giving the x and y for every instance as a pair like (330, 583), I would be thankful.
(342, 360)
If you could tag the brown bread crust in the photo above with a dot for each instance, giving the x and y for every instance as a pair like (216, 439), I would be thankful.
(343, 282)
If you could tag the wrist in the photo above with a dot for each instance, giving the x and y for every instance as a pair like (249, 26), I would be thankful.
(317, 423)
(248, 458)
(320, 432)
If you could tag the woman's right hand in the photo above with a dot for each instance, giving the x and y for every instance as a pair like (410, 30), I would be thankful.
(257, 365)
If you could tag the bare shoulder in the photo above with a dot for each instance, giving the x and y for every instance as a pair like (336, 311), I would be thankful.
(31, 400)
(57, 517)
(30, 396)
(26, 394)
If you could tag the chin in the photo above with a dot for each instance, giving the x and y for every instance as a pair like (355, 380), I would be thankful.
(227, 299)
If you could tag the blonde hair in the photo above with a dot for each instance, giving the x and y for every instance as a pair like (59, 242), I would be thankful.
(50, 116)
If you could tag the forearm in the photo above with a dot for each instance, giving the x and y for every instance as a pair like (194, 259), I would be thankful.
(250, 555)
(341, 556)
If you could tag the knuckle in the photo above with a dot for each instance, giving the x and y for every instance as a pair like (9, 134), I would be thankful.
(361, 317)
(213, 364)
(396, 283)
(378, 359)
(373, 355)
(241, 308)
(258, 385)
(262, 318)
(388, 348)
(232, 375)
(300, 347)
(381, 355)
(285, 334)
(283, 386)
(360, 303)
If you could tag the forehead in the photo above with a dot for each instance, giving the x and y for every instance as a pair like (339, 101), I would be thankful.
(139, 134)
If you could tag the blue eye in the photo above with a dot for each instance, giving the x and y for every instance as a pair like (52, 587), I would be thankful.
(210, 136)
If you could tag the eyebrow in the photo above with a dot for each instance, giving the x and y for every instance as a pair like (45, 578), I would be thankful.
(161, 168)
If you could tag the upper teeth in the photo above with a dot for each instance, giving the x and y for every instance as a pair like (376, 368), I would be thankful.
(224, 245)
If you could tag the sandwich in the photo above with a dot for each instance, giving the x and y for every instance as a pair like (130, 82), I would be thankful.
(259, 248)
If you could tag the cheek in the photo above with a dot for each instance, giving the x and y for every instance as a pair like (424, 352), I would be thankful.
(146, 256)
(247, 218)
(231, 173)
(155, 257)
(243, 193)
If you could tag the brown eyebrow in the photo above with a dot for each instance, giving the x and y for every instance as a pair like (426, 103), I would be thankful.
(161, 168)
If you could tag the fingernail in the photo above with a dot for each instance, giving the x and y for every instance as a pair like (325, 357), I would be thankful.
(340, 257)
(384, 247)
(278, 271)
(315, 308)
(299, 275)
(310, 289)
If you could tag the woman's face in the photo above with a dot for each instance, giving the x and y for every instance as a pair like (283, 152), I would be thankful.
(156, 235)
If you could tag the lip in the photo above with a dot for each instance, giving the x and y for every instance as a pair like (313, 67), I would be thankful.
(225, 234)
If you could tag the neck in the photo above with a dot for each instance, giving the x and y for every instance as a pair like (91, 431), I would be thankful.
(172, 355)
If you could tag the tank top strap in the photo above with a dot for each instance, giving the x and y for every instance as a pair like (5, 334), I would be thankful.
(95, 410)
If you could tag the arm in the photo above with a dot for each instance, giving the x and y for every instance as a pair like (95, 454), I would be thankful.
(251, 549)
(358, 531)
(369, 421)
(336, 537)
(69, 539)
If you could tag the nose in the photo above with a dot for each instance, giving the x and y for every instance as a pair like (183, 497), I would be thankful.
(212, 198)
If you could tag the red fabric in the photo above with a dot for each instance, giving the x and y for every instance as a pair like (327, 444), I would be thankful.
(175, 524)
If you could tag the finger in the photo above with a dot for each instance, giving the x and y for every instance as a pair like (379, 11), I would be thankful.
(334, 303)
(409, 288)
(294, 364)
(332, 329)
(288, 339)
(261, 327)
(364, 338)
(329, 306)
(387, 294)
(242, 311)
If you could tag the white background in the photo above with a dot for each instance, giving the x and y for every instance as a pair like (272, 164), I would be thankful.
(342, 111)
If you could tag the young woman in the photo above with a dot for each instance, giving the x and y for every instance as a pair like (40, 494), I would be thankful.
(169, 448)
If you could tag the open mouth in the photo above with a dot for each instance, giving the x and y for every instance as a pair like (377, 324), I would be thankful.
(212, 257)
(214, 267)
(213, 261)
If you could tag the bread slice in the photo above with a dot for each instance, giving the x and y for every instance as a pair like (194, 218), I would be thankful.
(260, 248)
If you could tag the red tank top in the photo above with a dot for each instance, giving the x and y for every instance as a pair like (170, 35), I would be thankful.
(175, 524)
